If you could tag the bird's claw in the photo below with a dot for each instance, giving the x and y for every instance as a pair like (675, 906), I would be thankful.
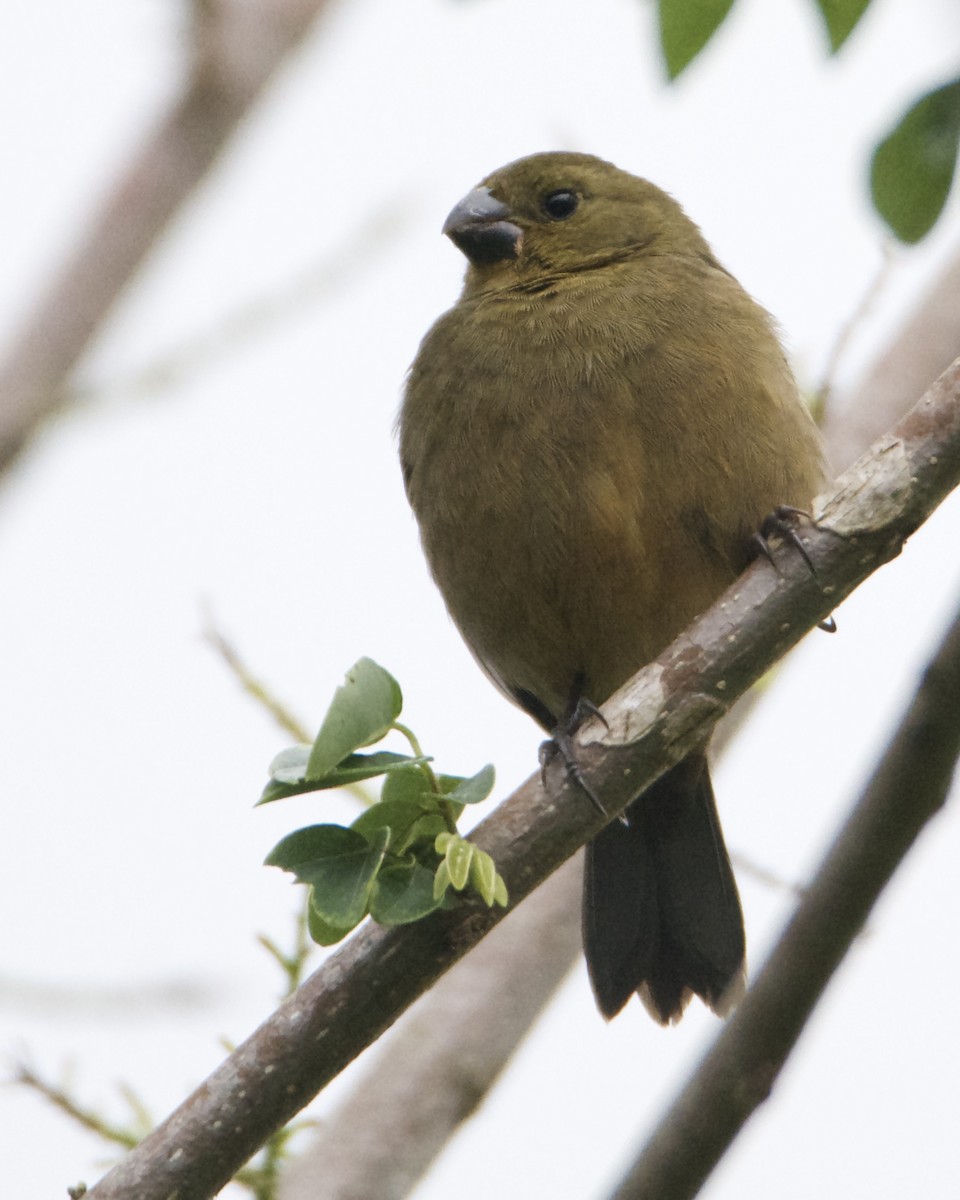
(561, 743)
(781, 522)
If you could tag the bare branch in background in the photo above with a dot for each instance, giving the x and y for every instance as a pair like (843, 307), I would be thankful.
(653, 721)
(240, 45)
(447, 1054)
(256, 318)
(926, 345)
(820, 404)
(255, 688)
(909, 787)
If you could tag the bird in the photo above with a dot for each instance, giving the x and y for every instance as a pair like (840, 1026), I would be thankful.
(590, 439)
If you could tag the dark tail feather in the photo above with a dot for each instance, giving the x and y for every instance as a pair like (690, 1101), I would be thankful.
(661, 914)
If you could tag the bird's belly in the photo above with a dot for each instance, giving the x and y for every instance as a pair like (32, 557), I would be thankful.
(580, 589)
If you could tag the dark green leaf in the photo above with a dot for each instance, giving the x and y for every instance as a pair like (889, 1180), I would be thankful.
(339, 863)
(427, 828)
(685, 28)
(841, 18)
(356, 767)
(913, 166)
(312, 843)
(361, 712)
(407, 785)
(397, 816)
(402, 894)
(478, 787)
(353, 769)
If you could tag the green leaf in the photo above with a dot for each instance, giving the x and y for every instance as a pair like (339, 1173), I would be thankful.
(478, 787)
(685, 28)
(457, 856)
(913, 166)
(290, 765)
(312, 843)
(483, 875)
(841, 18)
(402, 894)
(353, 769)
(339, 863)
(406, 784)
(426, 829)
(320, 931)
(441, 881)
(398, 817)
(356, 767)
(361, 712)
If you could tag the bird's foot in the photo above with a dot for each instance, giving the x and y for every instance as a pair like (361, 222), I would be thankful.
(561, 743)
(782, 523)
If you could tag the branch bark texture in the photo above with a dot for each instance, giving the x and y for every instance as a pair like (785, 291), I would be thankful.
(653, 721)
(445, 1056)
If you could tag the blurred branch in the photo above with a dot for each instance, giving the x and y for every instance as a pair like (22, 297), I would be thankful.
(909, 787)
(254, 688)
(445, 1056)
(86, 1118)
(254, 318)
(925, 345)
(239, 46)
(653, 721)
(823, 396)
(101, 1004)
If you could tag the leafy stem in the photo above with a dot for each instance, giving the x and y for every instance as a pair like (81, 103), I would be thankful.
(401, 858)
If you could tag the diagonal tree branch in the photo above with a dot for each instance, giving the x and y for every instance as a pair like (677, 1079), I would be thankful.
(909, 787)
(239, 46)
(653, 721)
(438, 1065)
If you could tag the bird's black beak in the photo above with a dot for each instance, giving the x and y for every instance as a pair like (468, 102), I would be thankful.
(478, 227)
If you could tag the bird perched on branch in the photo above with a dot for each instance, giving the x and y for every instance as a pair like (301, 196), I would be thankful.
(590, 439)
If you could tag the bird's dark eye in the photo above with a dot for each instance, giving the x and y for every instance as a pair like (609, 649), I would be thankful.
(561, 204)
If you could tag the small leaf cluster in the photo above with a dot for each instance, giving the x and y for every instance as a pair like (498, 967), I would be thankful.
(686, 26)
(403, 856)
(913, 165)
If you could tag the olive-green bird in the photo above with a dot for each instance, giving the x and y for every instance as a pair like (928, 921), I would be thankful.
(590, 439)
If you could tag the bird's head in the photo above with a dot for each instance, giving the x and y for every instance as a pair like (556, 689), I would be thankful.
(556, 213)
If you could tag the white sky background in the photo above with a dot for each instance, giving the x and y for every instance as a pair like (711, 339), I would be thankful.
(264, 482)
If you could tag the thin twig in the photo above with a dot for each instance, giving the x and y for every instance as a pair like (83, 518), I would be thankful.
(924, 346)
(820, 404)
(255, 318)
(253, 686)
(84, 1117)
